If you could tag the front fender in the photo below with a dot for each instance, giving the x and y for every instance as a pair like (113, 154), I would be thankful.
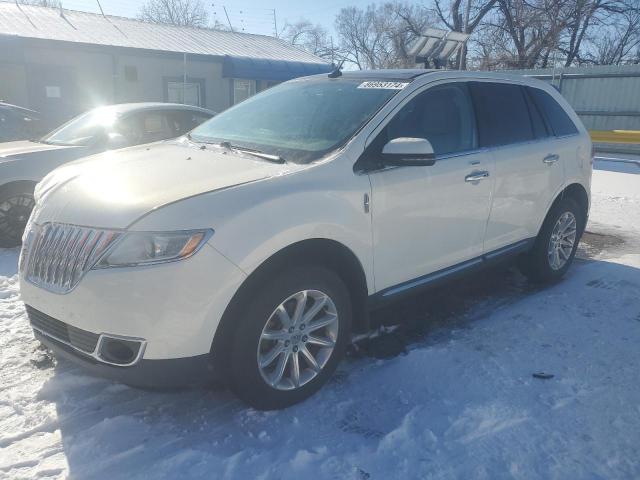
(254, 221)
(13, 171)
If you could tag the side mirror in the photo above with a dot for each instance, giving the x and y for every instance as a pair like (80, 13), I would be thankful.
(116, 141)
(408, 152)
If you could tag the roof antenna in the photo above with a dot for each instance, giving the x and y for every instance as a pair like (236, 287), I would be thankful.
(337, 71)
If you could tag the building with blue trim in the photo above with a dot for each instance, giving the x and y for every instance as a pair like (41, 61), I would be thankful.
(62, 62)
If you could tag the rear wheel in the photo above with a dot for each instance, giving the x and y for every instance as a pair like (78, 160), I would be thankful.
(16, 204)
(557, 242)
(290, 338)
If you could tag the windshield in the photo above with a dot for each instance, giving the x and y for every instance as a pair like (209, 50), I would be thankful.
(299, 121)
(84, 130)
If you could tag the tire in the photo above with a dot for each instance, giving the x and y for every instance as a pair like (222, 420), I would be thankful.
(16, 204)
(540, 265)
(258, 319)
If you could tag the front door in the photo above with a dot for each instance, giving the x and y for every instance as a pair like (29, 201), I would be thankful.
(430, 217)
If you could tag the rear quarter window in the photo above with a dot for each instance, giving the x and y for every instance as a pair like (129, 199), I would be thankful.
(560, 122)
(502, 114)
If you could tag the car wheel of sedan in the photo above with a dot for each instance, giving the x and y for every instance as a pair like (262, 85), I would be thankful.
(16, 204)
(556, 244)
(290, 338)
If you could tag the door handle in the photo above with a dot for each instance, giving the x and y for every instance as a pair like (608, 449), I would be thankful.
(551, 158)
(476, 176)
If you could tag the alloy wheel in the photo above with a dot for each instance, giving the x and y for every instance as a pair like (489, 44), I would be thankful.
(14, 215)
(297, 340)
(562, 241)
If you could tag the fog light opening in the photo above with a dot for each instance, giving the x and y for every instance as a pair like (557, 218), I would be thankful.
(119, 351)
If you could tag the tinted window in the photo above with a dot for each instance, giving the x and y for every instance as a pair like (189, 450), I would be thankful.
(537, 120)
(443, 115)
(87, 129)
(183, 121)
(556, 116)
(502, 114)
(145, 127)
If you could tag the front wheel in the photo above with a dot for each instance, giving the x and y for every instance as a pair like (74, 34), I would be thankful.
(556, 244)
(16, 204)
(290, 338)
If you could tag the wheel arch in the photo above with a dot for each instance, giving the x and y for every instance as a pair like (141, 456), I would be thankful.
(325, 252)
(577, 192)
(17, 185)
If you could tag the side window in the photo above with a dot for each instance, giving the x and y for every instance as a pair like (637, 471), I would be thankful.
(183, 121)
(502, 114)
(443, 115)
(131, 128)
(556, 116)
(155, 127)
(145, 127)
(537, 120)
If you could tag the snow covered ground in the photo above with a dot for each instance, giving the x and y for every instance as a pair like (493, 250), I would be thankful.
(455, 397)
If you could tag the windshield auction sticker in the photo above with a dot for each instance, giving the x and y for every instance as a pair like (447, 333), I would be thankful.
(384, 85)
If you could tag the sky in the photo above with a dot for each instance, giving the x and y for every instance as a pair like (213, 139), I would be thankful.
(250, 16)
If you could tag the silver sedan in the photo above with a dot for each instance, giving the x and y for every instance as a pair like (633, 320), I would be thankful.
(25, 163)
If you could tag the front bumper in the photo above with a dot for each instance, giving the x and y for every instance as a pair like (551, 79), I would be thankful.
(168, 373)
(174, 307)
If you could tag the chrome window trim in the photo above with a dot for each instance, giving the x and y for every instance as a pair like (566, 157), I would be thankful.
(96, 351)
(423, 87)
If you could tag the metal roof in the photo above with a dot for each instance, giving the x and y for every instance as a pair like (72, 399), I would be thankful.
(90, 28)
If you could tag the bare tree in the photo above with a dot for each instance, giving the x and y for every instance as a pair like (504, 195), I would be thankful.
(379, 36)
(533, 28)
(451, 15)
(312, 38)
(619, 43)
(589, 15)
(183, 13)
(531, 33)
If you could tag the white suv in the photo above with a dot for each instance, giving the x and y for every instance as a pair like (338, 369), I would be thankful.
(254, 247)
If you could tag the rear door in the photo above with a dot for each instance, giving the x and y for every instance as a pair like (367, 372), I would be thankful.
(527, 163)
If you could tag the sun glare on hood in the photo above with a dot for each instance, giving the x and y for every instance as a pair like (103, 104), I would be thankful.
(109, 187)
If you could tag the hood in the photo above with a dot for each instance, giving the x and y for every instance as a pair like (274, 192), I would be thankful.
(114, 189)
(26, 149)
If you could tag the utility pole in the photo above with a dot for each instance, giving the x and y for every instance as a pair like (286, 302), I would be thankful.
(463, 50)
(100, 7)
(333, 60)
(227, 15)
(275, 22)
(184, 78)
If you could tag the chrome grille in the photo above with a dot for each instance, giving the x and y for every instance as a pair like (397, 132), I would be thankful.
(56, 256)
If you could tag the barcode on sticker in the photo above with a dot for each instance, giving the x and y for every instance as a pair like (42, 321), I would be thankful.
(386, 85)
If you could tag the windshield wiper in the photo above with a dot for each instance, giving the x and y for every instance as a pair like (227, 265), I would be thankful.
(255, 153)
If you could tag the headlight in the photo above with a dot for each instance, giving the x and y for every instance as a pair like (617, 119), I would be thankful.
(142, 248)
